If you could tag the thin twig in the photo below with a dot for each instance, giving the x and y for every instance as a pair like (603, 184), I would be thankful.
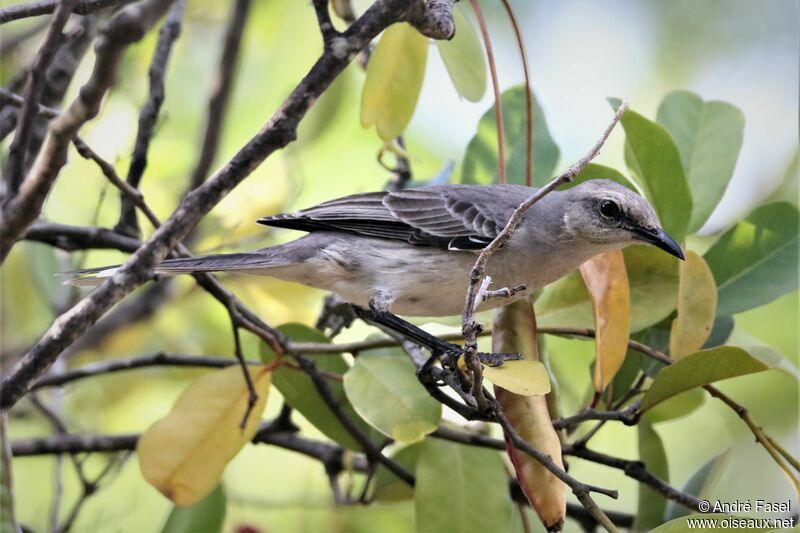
(148, 116)
(469, 327)
(221, 90)
(627, 416)
(741, 411)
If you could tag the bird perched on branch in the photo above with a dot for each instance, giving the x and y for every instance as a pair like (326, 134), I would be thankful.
(411, 252)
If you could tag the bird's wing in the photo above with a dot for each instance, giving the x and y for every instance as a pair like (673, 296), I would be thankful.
(456, 217)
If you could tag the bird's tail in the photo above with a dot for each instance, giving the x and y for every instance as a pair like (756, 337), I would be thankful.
(252, 261)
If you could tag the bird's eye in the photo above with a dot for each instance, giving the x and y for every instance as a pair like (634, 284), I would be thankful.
(609, 209)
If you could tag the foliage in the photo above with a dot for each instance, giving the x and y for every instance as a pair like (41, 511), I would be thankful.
(682, 162)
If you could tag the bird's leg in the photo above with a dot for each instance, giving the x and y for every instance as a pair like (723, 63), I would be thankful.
(379, 314)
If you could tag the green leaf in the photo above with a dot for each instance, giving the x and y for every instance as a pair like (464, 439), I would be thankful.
(205, 516)
(394, 80)
(463, 57)
(651, 504)
(756, 261)
(704, 521)
(299, 391)
(480, 159)
(593, 171)
(461, 489)
(709, 137)
(678, 406)
(653, 277)
(385, 391)
(701, 484)
(389, 488)
(654, 158)
(701, 368)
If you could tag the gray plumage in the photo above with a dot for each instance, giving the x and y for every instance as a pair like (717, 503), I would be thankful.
(413, 249)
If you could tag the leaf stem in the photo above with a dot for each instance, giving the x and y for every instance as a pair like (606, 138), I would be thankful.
(528, 95)
(498, 105)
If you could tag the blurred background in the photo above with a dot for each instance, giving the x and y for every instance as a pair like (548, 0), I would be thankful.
(580, 52)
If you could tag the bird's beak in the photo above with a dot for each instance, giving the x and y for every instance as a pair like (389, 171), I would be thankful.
(660, 239)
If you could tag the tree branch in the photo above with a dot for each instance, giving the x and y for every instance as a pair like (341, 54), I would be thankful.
(469, 327)
(33, 95)
(45, 7)
(169, 33)
(277, 132)
(127, 27)
(220, 92)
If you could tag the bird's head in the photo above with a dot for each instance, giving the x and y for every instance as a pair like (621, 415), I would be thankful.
(606, 213)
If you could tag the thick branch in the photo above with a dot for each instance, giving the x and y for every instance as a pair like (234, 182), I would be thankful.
(45, 7)
(127, 27)
(33, 95)
(276, 133)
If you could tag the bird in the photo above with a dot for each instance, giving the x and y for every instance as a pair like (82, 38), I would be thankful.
(410, 252)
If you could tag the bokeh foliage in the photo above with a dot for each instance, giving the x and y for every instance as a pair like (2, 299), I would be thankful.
(754, 265)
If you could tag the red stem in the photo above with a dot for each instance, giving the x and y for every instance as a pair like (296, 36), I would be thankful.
(528, 95)
(498, 106)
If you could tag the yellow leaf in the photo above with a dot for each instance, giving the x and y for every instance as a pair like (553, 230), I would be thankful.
(526, 378)
(394, 79)
(697, 307)
(607, 281)
(514, 330)
(183, 454)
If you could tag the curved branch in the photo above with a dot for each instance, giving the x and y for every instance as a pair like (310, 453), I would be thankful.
(279, 131)
(45, 7)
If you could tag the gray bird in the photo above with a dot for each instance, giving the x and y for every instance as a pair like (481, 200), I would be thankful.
(410, 252)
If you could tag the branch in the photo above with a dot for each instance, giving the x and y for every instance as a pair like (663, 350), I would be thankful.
(761, 437)
(628, 416)
(45, 7)
(127, 27)
(33, 95)
(636, 470)
(169, 33)
(433, 18)
(326, 28)
(470, 328)
(269, 433)
(372, 452)
(220, 92)
(277, 133)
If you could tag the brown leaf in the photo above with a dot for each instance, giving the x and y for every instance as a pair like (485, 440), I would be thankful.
(514, 330)
(607, 281)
